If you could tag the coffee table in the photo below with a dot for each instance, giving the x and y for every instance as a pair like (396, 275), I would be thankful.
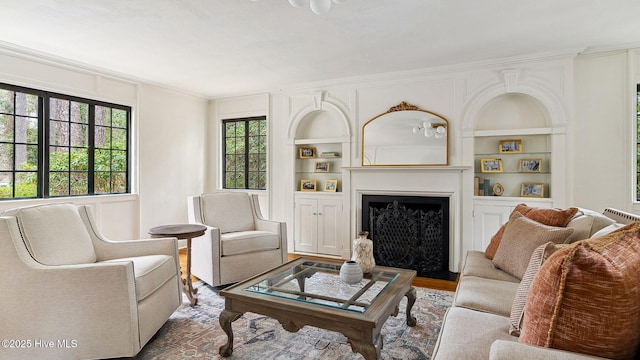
(309, 292)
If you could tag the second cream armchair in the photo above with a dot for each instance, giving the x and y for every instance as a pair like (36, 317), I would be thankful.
(239, 242)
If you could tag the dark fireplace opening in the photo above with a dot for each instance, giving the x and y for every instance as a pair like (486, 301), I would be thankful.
(409, 232)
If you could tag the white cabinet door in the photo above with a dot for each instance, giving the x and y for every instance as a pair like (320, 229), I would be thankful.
(330, 218)
(487, 219)
(318, 226)
(306, 225)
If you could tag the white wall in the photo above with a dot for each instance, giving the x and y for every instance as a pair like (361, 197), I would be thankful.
(603, 131)
(173, 145)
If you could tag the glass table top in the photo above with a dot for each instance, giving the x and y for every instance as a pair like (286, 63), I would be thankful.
(317, 282)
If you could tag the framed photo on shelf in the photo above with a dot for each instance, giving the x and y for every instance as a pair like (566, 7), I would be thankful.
(331, 185)
(322, 167)
(511, 146)
(498, 189)
(491, 165)
(532, 190)
(530, 165)
(307, 152)
(307, 185)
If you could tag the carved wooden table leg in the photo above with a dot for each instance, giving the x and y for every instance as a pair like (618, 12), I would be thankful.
(187, 282)
(226, 318)
(368, 350)
(411, 299)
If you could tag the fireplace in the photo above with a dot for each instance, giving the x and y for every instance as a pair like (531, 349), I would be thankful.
(409, 232)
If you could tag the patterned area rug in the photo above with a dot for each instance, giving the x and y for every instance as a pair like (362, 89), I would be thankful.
(195, 333)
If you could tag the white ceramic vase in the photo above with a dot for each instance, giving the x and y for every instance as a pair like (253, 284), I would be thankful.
(363, 252)
(350, 272)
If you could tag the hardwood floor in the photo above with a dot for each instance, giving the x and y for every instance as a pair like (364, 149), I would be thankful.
(419, 282)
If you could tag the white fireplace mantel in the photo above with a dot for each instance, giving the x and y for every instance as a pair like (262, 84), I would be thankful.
(414, 180)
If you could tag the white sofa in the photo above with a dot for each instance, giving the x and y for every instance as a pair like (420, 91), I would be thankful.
(69, 293)
(478, 323)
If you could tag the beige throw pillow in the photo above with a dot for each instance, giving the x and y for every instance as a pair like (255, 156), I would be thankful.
(521, 237)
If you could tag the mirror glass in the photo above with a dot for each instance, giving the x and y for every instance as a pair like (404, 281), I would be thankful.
(405, 135)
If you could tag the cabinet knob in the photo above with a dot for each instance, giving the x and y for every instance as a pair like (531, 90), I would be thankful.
(319, 213)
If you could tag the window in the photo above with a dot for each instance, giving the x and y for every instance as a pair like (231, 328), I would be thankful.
(55, 145)
(245, 153)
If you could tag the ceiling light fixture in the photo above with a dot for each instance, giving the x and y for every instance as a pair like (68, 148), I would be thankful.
(319, 7)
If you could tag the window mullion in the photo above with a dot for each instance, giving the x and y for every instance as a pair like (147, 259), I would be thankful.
(43, 151)
(91, 150)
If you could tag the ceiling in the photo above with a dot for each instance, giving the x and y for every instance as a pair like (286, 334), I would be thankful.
(218, 48)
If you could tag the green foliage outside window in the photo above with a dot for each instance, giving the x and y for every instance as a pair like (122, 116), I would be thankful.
(69, 153)
(245, 153)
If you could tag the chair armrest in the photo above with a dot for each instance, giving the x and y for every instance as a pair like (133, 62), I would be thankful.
(268, 225)
(109, 250)
(511, 350)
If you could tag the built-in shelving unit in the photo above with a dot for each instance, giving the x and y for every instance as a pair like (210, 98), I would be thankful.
(515, 166)
(321, 167)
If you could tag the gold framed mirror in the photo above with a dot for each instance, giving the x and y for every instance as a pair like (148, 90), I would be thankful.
(405, 135)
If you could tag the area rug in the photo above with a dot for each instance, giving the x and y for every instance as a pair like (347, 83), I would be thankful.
(195, 333)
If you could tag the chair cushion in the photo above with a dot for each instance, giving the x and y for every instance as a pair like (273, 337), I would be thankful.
(521, 237)
(150, 272)
(243, 242)
(547, 216)
(585, 297)
(228, 211)
(55, 234)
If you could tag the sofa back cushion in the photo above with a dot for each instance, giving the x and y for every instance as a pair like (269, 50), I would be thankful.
(585, 297)
(228, 211)
(55, 234)
(547, 216)
(586, 223)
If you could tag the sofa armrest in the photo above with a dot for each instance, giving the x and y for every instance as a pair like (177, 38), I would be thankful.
(511, 350)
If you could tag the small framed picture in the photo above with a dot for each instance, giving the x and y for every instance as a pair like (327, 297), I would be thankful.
(532, 190)
(511, 146)
(322, 167)
(307, 152)
(491, 165)
(331, 185)
(530, 165)
(307, 185)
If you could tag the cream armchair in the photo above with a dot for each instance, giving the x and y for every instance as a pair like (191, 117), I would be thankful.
(68, 293)
(238, 242)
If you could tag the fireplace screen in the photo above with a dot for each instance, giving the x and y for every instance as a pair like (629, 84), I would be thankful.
(409, 232)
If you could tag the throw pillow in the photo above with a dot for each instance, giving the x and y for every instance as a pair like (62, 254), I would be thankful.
(521, 237)
(585, 297)
(547, 216)
(540, 254)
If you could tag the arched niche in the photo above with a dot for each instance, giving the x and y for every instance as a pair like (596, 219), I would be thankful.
(512, 111)
(322, 120)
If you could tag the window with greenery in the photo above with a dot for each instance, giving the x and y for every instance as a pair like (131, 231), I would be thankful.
(56, 145)
(245, 153)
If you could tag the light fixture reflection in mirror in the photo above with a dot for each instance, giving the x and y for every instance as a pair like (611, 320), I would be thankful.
(405, 135)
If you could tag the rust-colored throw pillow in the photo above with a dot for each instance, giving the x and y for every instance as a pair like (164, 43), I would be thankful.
(547, 216)
(521, 237)
(585, 297)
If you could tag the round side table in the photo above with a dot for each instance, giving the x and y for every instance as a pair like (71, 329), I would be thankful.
(185, 232)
